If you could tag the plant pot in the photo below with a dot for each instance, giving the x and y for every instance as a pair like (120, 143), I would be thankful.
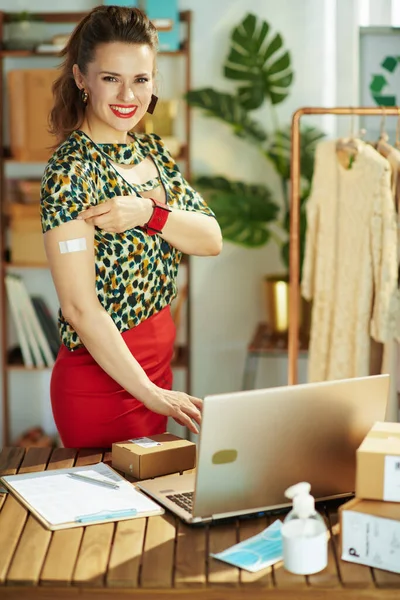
(277, 306)
(24, 35)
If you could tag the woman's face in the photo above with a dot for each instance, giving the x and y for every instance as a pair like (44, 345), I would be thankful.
(119, 84)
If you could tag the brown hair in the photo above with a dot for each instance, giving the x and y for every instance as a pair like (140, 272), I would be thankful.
(104, 24)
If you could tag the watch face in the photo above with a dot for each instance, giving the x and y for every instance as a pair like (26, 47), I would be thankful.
(158, 218)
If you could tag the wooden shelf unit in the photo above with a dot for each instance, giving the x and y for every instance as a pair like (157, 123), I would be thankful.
(182, 358)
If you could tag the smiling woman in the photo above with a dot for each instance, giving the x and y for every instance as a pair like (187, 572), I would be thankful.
(119, 84)
(123, 198)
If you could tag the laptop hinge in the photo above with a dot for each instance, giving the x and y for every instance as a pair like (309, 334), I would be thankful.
(206, 519)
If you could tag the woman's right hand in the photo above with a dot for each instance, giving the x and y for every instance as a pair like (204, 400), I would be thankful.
(178, 405)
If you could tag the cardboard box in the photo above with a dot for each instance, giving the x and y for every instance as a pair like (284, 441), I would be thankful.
(370, 533)
(153, 456)
(378, 464)
(27, 245)
(30, 99)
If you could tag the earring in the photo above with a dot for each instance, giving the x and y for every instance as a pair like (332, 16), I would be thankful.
(152, 105)
(84, 96)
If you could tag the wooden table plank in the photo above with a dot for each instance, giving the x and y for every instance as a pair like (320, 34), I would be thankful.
(10, 460)
(262, 578)
(126, 554)
(191, 556)
(107, 457)
(222, 537)
(62, 458)
(158, 554)
(89, 456)
(29, 557)
(386, 579)
(62, 556)
(13, 517)
(35, 459)
(91, 567)
(27, 560)
(351, 574)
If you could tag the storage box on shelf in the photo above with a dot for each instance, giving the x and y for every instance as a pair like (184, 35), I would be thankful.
(30, 101)
(26, 239)
(29, 98)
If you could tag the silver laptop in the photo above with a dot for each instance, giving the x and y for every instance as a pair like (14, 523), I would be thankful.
(255, 444)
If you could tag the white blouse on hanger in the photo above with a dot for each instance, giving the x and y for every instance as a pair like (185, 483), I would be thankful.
(350, 264)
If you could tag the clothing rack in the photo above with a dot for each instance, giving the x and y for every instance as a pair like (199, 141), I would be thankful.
(294, 237)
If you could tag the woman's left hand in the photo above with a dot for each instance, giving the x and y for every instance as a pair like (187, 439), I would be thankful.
(119, 213)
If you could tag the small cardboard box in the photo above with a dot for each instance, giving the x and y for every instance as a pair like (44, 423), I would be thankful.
(26, 235)
(378, 464)
(370, 533)
(153, 456)
(30, 101)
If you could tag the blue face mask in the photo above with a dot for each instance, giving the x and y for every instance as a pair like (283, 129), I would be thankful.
(257, 552)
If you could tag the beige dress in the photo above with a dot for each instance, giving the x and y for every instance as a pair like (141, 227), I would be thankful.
(350, 265)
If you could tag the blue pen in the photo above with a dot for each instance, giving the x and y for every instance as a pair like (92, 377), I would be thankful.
(103, 515)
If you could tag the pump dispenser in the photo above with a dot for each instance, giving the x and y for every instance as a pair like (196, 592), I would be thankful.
(304, 534)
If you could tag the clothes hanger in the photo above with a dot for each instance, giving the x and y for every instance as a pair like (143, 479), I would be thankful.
(382, 145)
(347, 148)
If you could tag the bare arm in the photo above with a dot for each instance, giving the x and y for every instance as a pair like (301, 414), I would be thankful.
(193, 233)
(190, 232)
(74, 278)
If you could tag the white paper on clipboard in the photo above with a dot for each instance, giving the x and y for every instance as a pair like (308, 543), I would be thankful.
(60, 500)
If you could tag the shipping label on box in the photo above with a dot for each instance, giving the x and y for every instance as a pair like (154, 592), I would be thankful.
(378, 464)
(371, 539)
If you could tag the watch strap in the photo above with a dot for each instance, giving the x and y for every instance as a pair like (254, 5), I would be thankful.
(158, 218)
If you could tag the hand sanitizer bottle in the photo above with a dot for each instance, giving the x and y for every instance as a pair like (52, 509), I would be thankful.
(304, 534)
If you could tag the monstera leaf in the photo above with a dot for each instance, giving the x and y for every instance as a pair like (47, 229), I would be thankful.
(279, 151)
(243, 211)
(228, 109)
(261, 61)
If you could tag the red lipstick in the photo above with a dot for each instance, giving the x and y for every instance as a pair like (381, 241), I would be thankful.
(124, 114)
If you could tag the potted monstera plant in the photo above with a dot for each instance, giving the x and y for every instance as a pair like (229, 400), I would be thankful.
(255, 215)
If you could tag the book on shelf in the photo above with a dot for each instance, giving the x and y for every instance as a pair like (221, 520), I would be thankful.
(38, 348)
(16, 311)
(48, 324)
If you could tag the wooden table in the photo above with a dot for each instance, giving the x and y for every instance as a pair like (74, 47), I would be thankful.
(151, 558)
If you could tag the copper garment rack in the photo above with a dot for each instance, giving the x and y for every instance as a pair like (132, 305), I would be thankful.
(294, 255)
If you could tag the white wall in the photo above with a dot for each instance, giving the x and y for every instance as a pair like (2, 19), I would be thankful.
(227, 290)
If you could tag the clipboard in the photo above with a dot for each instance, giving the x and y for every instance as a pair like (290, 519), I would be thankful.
(59, 501)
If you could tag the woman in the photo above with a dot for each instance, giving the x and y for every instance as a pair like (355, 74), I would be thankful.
(116, 216)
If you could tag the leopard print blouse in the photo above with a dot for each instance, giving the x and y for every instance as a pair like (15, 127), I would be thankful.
(135, 272)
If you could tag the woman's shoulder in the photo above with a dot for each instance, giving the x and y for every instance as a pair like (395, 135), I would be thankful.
(70, 157)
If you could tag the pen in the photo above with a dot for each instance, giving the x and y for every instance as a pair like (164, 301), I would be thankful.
(105, 516)
(101, 482)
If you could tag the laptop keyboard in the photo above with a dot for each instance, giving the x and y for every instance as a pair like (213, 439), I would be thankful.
(184, 500)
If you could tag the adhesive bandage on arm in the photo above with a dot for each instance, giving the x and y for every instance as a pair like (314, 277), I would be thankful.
(76, 245)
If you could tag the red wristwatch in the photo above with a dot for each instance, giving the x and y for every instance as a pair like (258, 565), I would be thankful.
(158, 219)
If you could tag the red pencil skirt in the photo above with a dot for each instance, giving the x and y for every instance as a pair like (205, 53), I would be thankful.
(91, 409)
